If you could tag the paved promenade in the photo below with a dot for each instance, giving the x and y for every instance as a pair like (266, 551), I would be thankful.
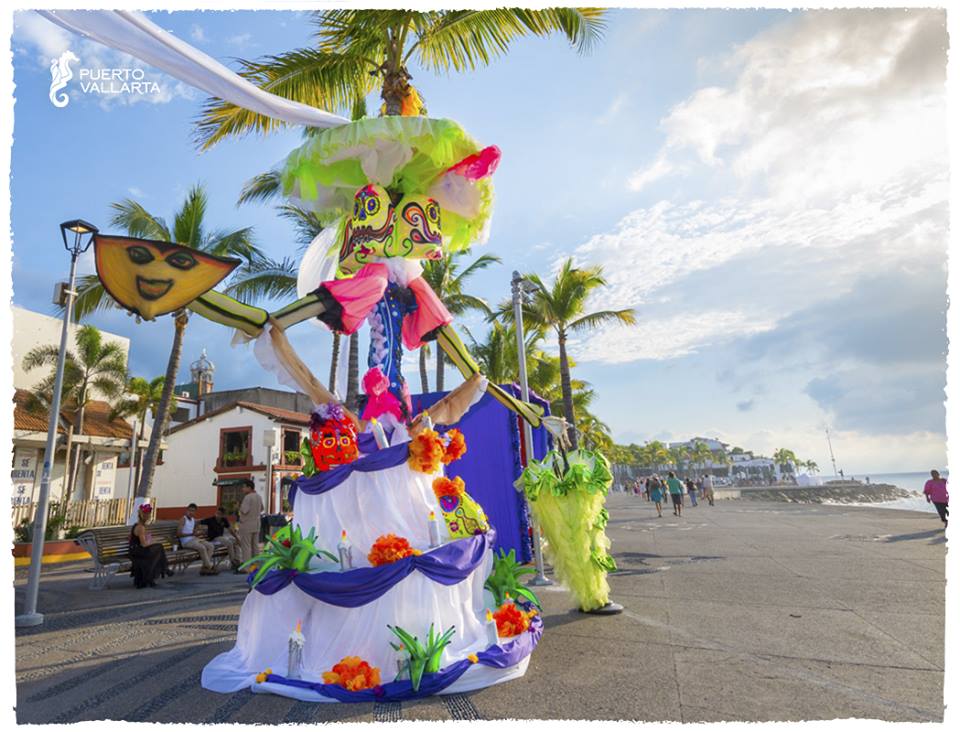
(741, 611)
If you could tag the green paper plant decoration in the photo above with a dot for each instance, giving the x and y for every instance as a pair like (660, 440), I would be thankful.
(421, 658)
(286, 549)
(308, 466)
(505, 578)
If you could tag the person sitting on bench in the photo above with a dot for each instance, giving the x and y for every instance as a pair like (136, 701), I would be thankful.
(221, 533)
(187, 536)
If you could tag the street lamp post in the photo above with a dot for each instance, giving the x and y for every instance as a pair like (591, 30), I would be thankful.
(82, 235)
(517, 287)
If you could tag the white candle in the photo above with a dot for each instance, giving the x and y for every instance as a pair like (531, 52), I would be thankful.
(492, 637)
(295, 653)
(378, 434)
(344, 549)
(434, 527)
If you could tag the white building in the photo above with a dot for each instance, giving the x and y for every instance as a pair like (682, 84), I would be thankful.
(206, 455)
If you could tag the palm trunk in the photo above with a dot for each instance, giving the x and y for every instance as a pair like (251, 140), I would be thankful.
(137, 458)
(334, 363)
(353, 377)
(395, 85)
(77, 455)
(163, 409)
(424, 384)
(439, 369)
(566, 388)
(68, 451)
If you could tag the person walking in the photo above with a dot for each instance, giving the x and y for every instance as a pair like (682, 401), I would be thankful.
(692, 491)
(187, 536)
(935, 490)
(656, 495)
(708, 488)
(248, 525)
(676, 493)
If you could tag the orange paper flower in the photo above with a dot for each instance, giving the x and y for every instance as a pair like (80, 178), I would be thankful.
(473, 658)
(389, 548)
(353, 674)
(456, 446)
(443, 486)
(426, 452)
(511, 620)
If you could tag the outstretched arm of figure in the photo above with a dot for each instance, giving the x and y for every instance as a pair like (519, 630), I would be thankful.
(251, 320)
(457, 352)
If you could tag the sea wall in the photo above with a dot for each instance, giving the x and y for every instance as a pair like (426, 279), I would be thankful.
(834, 492)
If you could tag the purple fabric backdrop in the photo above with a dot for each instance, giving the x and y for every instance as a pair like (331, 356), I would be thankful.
(491, 465)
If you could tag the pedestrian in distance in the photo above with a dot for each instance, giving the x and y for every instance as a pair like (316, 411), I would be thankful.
(692, 491)
(656, 495)
(935, 490)
(676, 493)
(708, 488)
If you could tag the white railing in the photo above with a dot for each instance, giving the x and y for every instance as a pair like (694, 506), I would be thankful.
(85, 514)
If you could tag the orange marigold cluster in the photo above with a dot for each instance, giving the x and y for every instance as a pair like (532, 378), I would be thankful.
(389, 548)
(426, 452)
(511, 620)
(353, 674)
(456, 447)
(443, 486)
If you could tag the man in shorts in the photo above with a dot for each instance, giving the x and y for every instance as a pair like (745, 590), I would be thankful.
(675, 487)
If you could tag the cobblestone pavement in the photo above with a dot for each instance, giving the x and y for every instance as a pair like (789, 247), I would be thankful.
(741, 611)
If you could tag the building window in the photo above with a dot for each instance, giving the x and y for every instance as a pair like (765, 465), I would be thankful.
(235, 447)
(182, 414)
(291, 447)
(229, 495)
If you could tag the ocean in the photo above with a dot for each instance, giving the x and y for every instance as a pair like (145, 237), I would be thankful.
(908, 481)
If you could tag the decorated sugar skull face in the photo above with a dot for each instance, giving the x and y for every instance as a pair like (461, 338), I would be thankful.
(418, 228)
(333, 440)
(369, 230)
(152, 278)
(378, 229)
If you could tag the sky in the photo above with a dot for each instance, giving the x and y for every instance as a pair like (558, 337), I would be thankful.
(767, 189)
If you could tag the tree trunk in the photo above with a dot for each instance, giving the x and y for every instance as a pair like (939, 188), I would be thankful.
(395, 86)
(424, 384)
(334, 363)
(137, 458)
(566, 388)
(353, 376)
(78, 454)
(162, 416)
(68, 451)
(439, 369)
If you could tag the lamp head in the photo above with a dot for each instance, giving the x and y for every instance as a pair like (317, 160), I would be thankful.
(82, 233)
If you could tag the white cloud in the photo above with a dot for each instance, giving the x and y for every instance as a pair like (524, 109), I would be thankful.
(829, 140)
(611, 112)
(136, 192)
(241, 39)
(640, 179)
(197, 33)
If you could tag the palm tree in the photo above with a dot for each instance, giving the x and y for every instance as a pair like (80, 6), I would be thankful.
(359, 51)
(701, 454)
(560, 307)
(658, 455)
(188, 230)
(811, 465)
(679, 456)
(448, 281)
(785, 458)
(93, 367)
(142, 397)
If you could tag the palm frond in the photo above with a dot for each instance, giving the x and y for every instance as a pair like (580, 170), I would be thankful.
(264, 279)
(602, 317)
(137, 221)
(237, 243)
(188, 221)
(261, 187)
(306, 223)
(91, 297)
(326, 80)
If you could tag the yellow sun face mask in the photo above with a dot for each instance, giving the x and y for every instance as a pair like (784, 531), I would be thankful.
(151, 278)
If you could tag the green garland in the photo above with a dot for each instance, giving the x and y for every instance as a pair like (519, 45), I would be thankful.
(571, 513)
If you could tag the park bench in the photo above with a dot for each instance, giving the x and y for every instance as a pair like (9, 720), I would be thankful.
(110, 548)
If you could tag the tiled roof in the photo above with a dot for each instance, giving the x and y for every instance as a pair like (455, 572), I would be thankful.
(96, 419)
(275, 413)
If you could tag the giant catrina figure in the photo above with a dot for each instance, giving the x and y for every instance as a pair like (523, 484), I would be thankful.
(394, 191)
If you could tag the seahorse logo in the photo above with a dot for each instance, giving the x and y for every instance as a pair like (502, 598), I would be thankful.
(60, 75)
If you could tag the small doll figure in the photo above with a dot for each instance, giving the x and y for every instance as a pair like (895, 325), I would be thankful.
(333, 437)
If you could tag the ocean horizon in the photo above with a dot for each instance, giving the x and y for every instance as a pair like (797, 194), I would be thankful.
(910, 481)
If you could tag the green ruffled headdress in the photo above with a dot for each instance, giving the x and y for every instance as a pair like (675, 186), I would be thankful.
(405, 155)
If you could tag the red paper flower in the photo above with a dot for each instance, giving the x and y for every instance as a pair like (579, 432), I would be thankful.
(353, 674)
(443, 486)
(455, 448)
(390, 548)
(511, 621)
(426, 452)
(286, 543)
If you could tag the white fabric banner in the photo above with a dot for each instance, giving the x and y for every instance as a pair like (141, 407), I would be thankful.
(132, 33)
